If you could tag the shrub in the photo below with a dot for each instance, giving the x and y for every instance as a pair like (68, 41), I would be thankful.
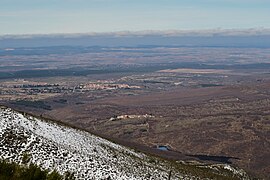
(14, 171)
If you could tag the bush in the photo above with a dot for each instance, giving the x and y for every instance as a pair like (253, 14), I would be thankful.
(14, 171)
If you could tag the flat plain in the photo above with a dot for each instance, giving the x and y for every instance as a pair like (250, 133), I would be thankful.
(205, 104)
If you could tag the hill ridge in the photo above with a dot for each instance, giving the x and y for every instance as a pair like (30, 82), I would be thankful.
(27, 139)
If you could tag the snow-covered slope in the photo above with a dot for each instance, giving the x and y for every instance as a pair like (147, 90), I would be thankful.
(26, 139)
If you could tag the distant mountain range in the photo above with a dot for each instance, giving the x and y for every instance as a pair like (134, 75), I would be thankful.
(25, 139)
(258, 38)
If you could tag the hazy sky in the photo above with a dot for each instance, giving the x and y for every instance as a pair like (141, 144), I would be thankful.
(79, 16)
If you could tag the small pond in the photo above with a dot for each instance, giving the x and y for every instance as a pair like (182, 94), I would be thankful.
(163, 148)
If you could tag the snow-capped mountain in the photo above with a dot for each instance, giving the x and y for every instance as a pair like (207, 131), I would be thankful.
(26, 139)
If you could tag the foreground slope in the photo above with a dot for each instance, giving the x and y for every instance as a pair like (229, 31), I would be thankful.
(25, 139)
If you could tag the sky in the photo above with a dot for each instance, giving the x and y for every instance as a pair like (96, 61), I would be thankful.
(85, 16)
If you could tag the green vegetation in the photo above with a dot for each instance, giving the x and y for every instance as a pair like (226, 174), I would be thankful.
(26, 158)
(13, 171)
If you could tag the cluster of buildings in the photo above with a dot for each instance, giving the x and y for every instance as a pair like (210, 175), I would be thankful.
(98, 86)
(131, 117)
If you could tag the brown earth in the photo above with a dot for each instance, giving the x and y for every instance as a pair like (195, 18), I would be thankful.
(231, 121)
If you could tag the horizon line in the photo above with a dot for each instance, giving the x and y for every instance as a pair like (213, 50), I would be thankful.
(169, 32)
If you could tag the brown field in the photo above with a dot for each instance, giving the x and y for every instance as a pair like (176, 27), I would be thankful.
(223, 112)
(231, 121)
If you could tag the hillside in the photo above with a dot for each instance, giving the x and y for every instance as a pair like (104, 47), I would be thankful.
(25, 139)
